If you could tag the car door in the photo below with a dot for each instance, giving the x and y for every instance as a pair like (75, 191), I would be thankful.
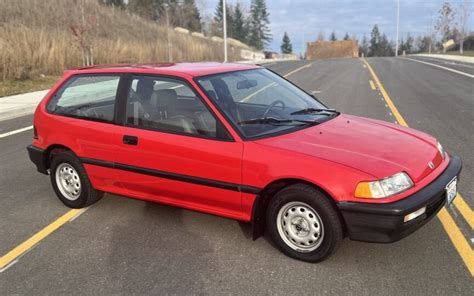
(172, 149)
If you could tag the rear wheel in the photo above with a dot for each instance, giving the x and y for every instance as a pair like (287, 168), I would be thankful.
(303, 223)
(70, 181)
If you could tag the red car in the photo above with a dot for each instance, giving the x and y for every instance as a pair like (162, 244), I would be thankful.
(239, 141)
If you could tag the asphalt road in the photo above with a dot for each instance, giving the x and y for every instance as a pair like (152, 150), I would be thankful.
(126, 246)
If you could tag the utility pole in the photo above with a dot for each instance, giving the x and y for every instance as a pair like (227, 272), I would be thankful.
(224, 21)
(170, 48)
(398, 27)
(302, 45)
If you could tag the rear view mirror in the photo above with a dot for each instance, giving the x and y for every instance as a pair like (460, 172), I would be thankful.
(246, 84)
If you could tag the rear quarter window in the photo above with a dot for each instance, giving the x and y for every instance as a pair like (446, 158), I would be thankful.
(87, 96)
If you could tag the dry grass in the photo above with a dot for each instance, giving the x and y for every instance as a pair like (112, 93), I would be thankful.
(35, 38)
(11, 87)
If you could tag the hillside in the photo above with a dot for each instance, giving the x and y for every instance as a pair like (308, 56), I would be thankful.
(36, 38)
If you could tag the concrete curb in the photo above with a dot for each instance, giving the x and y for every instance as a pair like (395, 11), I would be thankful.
(454, 58)
(20, 105)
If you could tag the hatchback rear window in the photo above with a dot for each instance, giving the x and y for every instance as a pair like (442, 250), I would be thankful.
(88, 97)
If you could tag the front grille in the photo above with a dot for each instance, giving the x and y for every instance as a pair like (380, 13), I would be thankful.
(435, 205)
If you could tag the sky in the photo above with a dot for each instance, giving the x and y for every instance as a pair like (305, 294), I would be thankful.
(304, 19)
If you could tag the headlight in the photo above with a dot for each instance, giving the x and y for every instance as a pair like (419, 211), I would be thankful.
(385, 187)
(441, 151)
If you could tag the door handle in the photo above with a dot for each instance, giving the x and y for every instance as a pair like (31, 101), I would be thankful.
(130, 140)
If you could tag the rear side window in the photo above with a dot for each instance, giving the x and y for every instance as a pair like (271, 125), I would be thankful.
(89, 97)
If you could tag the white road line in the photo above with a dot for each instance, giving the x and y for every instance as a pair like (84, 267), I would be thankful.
(300, 68)
(16, 131)
(442, 67)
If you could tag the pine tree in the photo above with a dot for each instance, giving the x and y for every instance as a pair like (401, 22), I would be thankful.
(286, 46)
(259, 31)
(182, 13)
(386, 47)
(409, 44)
(402, 47)
(144, 8)
(240, 30)
(333, 36)
(364, 47)
(219, 19)
(374, 42)
(346, 37)
(192, 19)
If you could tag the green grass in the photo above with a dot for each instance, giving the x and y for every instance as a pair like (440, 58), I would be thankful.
(14, 87)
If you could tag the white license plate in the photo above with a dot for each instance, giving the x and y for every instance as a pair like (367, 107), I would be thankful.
(451, 190)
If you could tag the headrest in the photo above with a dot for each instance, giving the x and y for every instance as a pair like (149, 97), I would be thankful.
(145, 88)
(164, 97)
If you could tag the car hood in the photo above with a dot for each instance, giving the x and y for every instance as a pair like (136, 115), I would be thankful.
(372, 146)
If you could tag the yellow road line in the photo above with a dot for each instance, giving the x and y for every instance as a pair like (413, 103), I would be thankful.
(32, 241)
(384, 93)
(372, 85)
(465, 210)
(459, 242)
(453, 231)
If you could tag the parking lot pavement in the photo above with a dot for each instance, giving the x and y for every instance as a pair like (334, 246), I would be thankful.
(126, 246)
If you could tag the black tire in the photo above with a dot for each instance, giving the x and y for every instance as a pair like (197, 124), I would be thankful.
(333, 232)
(88, 195)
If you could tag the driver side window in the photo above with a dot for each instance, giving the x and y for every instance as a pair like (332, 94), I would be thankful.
(168, 105)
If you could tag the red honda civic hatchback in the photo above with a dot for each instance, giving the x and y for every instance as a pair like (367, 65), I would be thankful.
(239, 141)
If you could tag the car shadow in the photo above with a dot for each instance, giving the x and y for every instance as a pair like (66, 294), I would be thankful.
(151, 240)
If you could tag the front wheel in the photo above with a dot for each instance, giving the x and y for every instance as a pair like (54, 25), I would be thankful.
(304, 224)
(70, 181)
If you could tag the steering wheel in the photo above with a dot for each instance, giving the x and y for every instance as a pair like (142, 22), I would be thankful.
(270, 107)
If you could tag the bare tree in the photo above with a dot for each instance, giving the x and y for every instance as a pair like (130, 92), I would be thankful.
(464, 13)
(81, 25)
(445, 22)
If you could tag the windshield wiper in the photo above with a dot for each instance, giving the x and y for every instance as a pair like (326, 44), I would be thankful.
(266, 120)
(315, 111)
(274, 120)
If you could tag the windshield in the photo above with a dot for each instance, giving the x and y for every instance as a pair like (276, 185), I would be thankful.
(259, 102)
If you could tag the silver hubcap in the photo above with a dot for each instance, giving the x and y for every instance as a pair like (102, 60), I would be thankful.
(300, 227)
(68, 181)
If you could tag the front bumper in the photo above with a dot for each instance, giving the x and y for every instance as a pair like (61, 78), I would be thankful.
(383, 223)
(39, 157)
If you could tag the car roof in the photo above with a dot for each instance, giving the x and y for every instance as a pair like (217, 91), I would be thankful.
(174, 69)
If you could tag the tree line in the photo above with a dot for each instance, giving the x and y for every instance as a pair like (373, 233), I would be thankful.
(451, 24)
(249, 25)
